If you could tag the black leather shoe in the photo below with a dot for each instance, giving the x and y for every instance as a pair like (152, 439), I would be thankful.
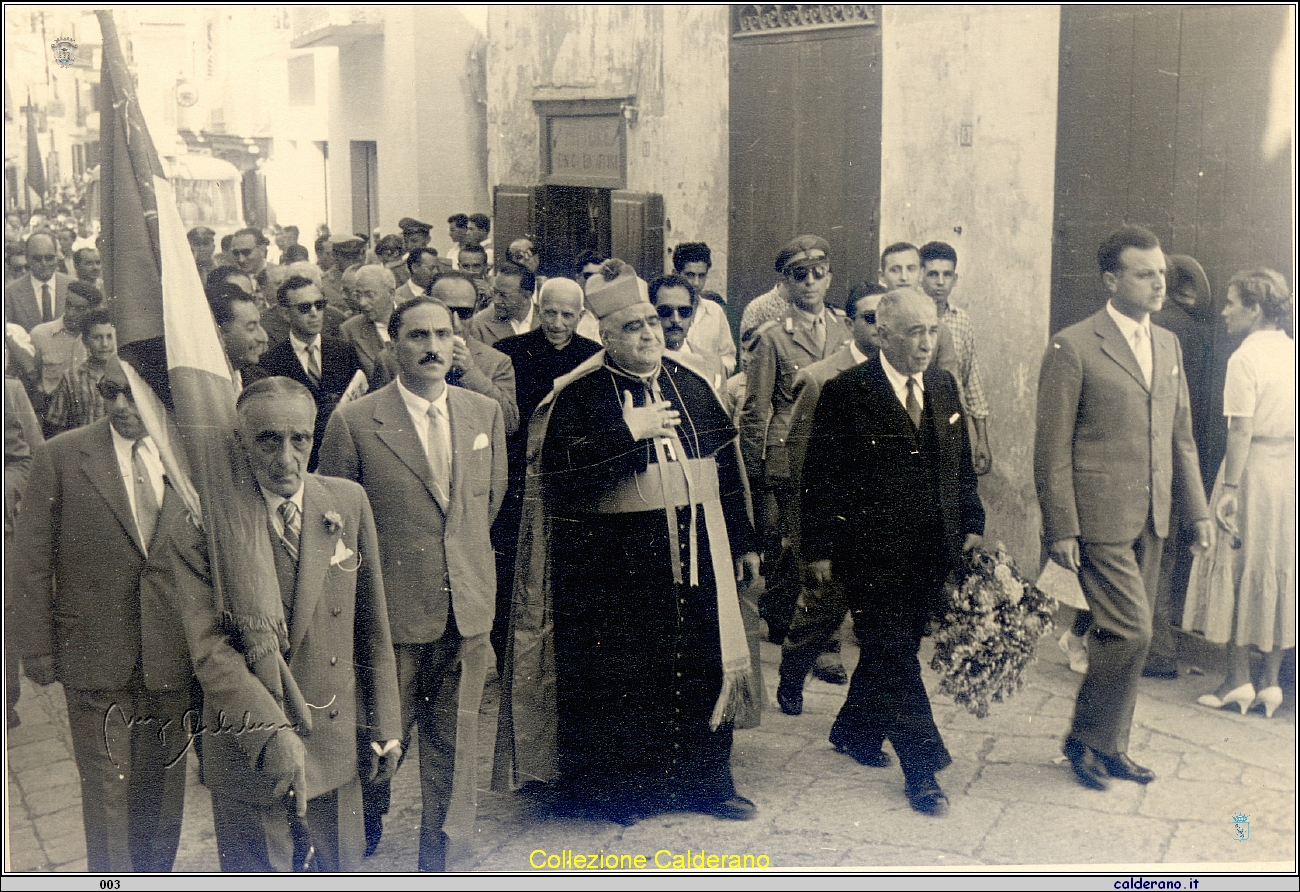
(737, 808)
(831, 674)
(789, 697)
(1121, 767)
(1087, 765)
(872, 758)
(926, 796)
(1160, 668)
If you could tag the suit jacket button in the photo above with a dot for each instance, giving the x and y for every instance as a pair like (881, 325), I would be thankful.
(336, 611)
(334, 661)
(334, 713)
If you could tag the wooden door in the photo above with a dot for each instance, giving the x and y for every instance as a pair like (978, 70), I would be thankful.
(1164, 121)
(1161, 122)
(805, 149)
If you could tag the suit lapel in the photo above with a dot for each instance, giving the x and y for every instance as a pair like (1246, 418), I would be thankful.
(314, 549)
(1163, 365)
(942, 412)
(463, 430)
(397, 433)
(1116, 346)
(890, 408)
(99, 462)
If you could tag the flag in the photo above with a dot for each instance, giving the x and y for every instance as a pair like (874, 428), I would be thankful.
(35, 167)
(181, 377)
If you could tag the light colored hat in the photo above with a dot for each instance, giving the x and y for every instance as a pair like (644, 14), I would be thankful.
(605, 297)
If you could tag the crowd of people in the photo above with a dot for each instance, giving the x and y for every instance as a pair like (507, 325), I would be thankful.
(574, 482)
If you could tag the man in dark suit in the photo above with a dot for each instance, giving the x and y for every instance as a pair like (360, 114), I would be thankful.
(38, 296)
(810, 643)
(324, 365)
(339, 655)
(1113, 443)
(432, 460)
(889, 504)
(88, 521)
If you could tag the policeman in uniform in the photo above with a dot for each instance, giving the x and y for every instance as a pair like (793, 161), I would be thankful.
(807, 332)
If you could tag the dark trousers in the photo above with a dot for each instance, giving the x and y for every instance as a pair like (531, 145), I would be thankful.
(775, 501)
(255, 837)
(441, 685)
(817, 618)
(887, 699)
(130, 749)
(1116, 580)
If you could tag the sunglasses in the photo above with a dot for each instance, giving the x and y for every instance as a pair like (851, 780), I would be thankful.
(801, 273)
(110, 389)
(869, 318)
(42, 258)
(463, 312)
(666, 312)
(307, 306)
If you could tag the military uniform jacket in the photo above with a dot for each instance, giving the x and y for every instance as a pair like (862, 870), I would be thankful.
(779, 350)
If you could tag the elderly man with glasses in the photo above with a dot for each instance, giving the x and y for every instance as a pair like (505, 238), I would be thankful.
(807, 332)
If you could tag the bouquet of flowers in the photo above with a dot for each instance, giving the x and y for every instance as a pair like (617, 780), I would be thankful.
(990, 632)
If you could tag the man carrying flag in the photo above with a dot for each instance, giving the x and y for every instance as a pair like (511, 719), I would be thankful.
(239, 622)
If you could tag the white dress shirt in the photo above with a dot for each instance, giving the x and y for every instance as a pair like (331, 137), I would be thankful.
(858, 356)
(273, 503)
(418, 407)
(526, 325)
(149, 454)
(1131, 328)
(300, 351)
(898, 381)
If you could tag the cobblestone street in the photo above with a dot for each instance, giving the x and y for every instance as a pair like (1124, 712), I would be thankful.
(1014, 799)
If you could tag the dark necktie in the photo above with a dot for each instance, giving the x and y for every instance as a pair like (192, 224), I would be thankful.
(913, 404)
(47, 305)
(146, 500)
(292, 528)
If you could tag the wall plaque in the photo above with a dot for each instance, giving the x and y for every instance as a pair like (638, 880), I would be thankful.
(585, 150)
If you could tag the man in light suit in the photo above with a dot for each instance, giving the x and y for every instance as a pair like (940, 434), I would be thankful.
(322, 364)
(89, 518)
(810, 643)
(890, 502)
(265, 768)
(511, 312)
(1113, 442)
(432, 459)
(38, 296)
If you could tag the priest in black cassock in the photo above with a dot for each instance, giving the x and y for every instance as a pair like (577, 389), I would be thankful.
(539, 357)
(643, 506)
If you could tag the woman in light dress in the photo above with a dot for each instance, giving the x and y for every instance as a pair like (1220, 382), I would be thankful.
(1243, 591)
